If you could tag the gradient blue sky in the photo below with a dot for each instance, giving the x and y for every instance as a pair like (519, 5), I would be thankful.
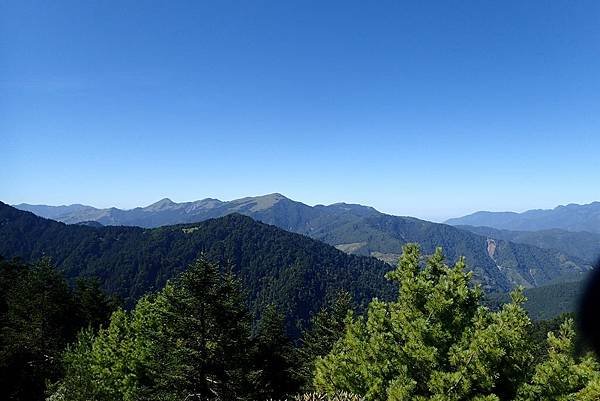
(431, 109)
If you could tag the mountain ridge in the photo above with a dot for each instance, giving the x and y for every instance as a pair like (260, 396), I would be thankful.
(572, 217)
(584, 244)
(290, 270)
(363, 230)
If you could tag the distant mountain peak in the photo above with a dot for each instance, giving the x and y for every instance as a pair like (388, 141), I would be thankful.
(258, 203)
(161, 204)
(273, 196)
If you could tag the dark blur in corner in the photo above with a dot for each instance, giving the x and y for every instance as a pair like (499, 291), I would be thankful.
(588, 310)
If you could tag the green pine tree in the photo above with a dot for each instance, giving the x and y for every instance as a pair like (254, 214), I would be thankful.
(562, 376)
(326, 328)
(274, 358)
(189, 341)
(435, 342)
(39, 315)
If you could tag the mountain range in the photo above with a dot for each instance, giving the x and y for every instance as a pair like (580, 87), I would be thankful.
(292, 271)
(584, 244)
(572, 217)
(497, 263)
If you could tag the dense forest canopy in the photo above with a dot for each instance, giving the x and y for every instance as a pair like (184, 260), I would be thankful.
(195, 339)
(290, 270)
(39, 315)
(273, 263)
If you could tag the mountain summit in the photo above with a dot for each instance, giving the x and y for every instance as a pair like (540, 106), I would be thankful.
(161, 204)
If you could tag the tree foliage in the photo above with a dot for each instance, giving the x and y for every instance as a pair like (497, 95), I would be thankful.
(562, 376)
(39, 315)
(326, 328)
(194, 340)
(189, 341)
(292, 271)
(436, 342)
(273, 358)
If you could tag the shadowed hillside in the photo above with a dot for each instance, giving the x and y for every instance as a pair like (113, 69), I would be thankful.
(293, 271)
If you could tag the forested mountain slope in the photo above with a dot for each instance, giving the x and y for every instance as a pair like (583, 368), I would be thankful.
(362, 230)
(583, 244)
(549, 301)
(292, 271)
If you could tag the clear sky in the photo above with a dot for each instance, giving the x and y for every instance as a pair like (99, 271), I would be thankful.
(431, 109)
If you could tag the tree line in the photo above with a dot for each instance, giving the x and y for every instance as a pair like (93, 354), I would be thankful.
(194, 339)
(197, 339)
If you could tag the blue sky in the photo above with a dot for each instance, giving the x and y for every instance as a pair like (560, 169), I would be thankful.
(431, 109)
